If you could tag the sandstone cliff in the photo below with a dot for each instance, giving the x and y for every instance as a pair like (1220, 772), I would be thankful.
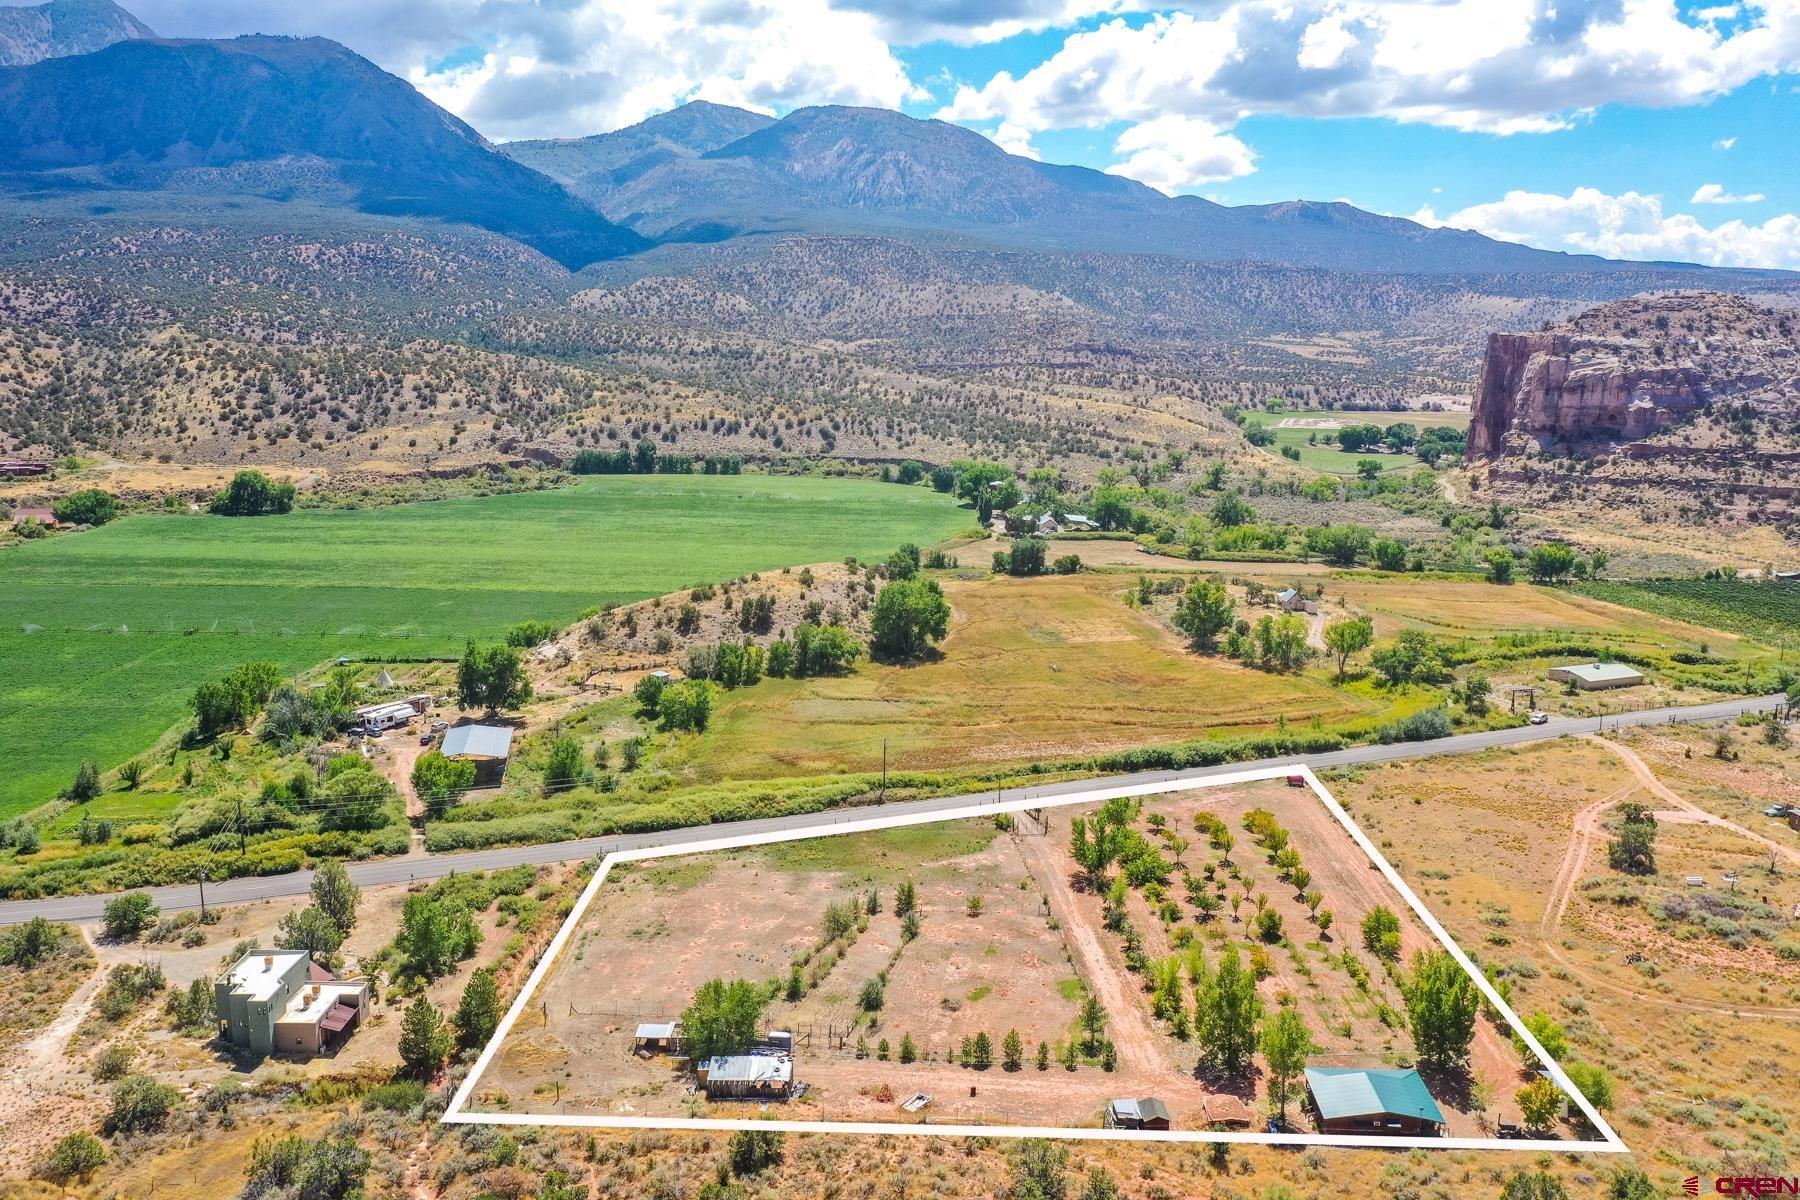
(1631, 370)
(1690, 398)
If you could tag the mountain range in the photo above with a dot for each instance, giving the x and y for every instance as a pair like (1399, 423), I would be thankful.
(100, 102)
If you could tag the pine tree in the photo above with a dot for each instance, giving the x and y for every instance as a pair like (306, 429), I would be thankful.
(479, 1013)
(424, 1039)
(1012, 1049)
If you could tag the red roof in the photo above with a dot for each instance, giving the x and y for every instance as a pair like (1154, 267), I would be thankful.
(338, 1018)
(317, 974)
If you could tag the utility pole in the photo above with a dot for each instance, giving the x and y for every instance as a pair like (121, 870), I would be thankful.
(884, 742)
(243, 837)
(203, 897)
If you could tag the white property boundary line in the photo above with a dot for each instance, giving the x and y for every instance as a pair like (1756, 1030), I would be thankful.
(458, 1112)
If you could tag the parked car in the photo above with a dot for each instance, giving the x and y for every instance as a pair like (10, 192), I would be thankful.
(439, 726)
(426, 738)
(1539, 718)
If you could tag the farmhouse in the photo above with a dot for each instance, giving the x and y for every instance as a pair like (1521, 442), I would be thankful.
(1080, 523)
(1148, 1113)
(762, 1076)
(281, 1002)
(1592, 677)
(42, 516)
(1291, 600)
(487, 746)
(1363, 1100)
(17, 468)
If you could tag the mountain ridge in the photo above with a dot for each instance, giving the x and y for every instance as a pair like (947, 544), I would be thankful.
(305, 114)
(64, 27)
(835, 170)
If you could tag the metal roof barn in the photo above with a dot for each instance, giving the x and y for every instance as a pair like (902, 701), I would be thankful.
(478, 741)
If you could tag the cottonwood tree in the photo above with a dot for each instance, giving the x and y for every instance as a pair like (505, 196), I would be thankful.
(435, 936)
(911, 615)
(1226, 1013)
(1441, 1006)
(1347, 637)
(722, 1018)
(311, 930)
(1205, 612)
(1381, 934)
(1539, 1102)
(491, 676)
(1286, 1046)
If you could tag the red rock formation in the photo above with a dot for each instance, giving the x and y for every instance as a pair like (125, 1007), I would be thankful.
(1628, 371)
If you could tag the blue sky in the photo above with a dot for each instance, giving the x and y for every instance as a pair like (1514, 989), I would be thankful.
(1632, 128)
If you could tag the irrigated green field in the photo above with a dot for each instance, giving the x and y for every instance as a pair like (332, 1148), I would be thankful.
(1326, 457)
(103, 635)
(1768, 610)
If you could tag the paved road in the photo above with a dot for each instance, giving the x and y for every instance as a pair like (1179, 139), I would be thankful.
(434, 866)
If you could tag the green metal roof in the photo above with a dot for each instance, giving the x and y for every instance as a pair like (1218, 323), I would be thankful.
(1364, 1092)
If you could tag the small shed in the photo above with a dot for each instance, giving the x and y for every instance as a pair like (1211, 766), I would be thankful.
(487, 746)
(1371, 1100)
(747, 1077)
(1596, 676)
(1228, 1112)
(1145, 1113)
(658, 1037)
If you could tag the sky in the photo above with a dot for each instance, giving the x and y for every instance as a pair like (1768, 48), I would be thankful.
(1647, 129)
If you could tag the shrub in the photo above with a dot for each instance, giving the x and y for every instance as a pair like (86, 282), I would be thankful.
(74, 1157)
(124, 917)
(138, 1103)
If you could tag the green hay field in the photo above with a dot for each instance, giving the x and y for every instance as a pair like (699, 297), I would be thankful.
(1325, 457)
(104, 634)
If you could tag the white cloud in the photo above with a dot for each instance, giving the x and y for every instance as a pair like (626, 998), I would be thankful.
(1499, 66)
(524, 69)
(1714, 193)
(1014, 140)
(1630, 225)
(1177, 153)
(1725, 143)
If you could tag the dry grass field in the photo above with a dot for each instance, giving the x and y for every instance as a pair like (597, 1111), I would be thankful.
(1012, 939)
(1697, 1021)
(1033, 668)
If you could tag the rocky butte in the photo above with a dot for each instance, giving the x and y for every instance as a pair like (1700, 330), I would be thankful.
(1695, 393)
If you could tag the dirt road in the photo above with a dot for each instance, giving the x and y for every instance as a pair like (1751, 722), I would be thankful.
(1587, 829)
(1139, 1047)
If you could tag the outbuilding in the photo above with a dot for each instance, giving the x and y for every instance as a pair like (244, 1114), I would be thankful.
(487, 746)
(1373, 1100)
(1146, 1113)
(747, 1077)
(657, 1037)
(1597, 676)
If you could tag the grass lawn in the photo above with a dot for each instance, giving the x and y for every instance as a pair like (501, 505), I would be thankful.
(1039, 668)
(1325, 457)
(104, 634)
